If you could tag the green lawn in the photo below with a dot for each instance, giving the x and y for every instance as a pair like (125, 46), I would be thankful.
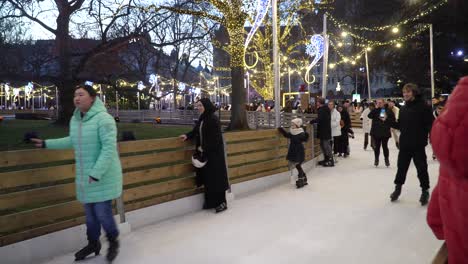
(12, 131)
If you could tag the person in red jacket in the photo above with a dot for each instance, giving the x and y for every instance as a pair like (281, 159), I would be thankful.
(448, 209)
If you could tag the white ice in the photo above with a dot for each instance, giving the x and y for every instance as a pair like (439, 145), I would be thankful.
(343, 216)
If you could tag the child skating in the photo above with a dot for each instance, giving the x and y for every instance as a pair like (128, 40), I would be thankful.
(296, 152)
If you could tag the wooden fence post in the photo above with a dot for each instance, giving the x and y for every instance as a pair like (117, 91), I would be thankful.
(121, 208)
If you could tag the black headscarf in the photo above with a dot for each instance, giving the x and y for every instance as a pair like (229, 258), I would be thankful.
(209, 108)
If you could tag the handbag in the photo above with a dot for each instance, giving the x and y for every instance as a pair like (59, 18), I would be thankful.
(198, 159)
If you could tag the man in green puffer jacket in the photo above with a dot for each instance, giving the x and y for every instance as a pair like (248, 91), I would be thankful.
(93, 136)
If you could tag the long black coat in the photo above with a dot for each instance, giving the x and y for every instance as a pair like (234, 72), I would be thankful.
(214, 174)
(296, 151)
(324, 131)
(414, 123)
(381, 129)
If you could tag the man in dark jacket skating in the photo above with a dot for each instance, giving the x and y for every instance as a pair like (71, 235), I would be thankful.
(415, 123)
(324, 132)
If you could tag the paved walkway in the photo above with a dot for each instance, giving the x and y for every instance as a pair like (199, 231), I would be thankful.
(343, 216)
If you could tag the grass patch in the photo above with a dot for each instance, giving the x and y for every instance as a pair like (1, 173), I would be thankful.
(12, 132)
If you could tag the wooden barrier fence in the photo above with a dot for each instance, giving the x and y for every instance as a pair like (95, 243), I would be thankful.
(37, 189)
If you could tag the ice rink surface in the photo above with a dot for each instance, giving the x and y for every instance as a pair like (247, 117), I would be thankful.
(344, 215)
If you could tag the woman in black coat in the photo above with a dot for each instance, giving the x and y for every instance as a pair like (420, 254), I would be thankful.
(343, 140)
(209, 140)
(382, 118)
(296, 152)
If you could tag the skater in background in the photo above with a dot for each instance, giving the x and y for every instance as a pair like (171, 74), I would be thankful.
(296, 152)
(345, 123)
(324, 132)
(335, 125)
(447, 214)
(438, 110)
(382, 117)
(396, 113)
(367, 125)
(415, 123)
(93, 136)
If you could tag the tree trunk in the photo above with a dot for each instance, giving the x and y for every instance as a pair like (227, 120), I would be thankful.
(65, 85)
(238, 111)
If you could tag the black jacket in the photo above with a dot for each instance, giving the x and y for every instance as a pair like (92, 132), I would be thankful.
(296, 151)
(323, 122)
(347, 122)
(381, 129)
(415, 123)
(214, 174)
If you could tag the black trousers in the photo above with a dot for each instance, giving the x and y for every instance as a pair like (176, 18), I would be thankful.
(381, 142)
(420, 161)
(213, 199)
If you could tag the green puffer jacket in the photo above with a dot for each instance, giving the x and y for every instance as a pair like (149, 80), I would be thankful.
(94, 139)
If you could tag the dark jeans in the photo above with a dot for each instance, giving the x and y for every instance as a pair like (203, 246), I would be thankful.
(366, 140)
(97, 215)
(384, 143)
(420, 161)
(326, 147)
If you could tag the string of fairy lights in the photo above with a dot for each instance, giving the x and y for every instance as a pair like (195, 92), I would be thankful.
(392, 27)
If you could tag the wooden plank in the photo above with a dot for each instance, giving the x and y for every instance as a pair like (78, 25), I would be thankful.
(158, 188)
(36, 176)
(40, 216)
(158, 173)
(161, 199)
(152, 144)
(235, 148)
(259, 175)
(256, 156)
(257, 167)
(39, 231)
(37, 196)
(155, 158)
(250, 135)
(35, 156)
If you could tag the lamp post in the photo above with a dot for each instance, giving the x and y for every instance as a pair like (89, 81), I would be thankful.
(431, 39)
(140, 87)
(368, 75)
(276, 66)
(325, 57)
(247, 74)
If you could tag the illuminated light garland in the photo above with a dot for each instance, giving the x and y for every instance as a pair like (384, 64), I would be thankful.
(422, 14)
(373, 44)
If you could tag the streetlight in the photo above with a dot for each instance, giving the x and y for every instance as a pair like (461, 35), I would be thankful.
(247, 74)
(140, 87)
(395, 30)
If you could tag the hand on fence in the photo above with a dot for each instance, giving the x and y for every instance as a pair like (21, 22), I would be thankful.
(37, 142)
(183, 137)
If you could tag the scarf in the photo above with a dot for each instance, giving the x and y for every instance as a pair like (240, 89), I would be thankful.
(296, 131)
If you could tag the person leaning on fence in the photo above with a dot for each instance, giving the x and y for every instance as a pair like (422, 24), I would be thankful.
(93, 136)
(209, 141)
(296, 152)
(447, 214)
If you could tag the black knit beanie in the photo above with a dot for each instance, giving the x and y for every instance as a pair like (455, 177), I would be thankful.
(87, 88)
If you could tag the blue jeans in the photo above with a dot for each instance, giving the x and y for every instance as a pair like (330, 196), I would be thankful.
(97, 215)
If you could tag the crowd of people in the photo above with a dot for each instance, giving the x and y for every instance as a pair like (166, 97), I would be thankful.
(93, 136)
